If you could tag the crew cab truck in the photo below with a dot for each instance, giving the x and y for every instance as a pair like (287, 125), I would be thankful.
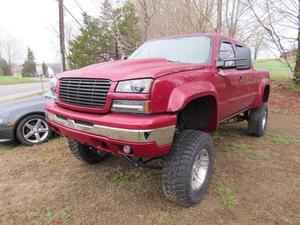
(162, 102)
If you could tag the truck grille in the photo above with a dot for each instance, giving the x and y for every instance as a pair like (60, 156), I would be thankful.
(85, 92)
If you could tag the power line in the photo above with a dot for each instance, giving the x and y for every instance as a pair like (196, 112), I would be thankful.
(79, 6)
(73, 17)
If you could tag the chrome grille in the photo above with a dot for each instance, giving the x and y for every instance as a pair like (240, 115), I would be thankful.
(84, 92)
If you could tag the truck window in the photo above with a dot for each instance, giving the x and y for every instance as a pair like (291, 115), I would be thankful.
(226, 51)
(185, 49)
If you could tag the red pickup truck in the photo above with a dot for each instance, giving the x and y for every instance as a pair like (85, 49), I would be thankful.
(159, 103)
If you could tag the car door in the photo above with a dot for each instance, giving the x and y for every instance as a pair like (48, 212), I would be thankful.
(247, 89)
(228, 81)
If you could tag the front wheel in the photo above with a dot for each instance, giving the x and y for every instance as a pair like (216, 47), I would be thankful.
(188, 168)
(86, 153)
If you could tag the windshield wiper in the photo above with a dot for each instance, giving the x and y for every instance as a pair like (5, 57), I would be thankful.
(173, 61)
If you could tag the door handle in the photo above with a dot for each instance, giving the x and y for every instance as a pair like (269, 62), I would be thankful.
(241, 78)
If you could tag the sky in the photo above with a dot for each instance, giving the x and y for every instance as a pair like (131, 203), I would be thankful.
(34, 24)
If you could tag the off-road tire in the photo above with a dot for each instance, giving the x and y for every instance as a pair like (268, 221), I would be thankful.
(86, 153)
(178, 165)
(19, 134)
(256, 124)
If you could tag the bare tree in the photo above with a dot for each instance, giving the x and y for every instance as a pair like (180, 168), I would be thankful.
(278, 16)
(148, 9)
(14, 50)
(219, 16)
(235, 13)
(11, 49)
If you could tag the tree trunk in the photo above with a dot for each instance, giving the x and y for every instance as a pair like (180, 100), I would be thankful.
(297, 66)
(219, 16)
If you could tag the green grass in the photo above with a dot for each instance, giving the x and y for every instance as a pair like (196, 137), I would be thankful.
(226, 196)
(122, 177)
(277, 68)
(240, 146)
(66, 215)
(283, 139)
(49, 215)
(4, 80)
(251, 153)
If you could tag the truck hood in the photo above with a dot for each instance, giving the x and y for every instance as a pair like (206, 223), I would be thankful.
(131, 69)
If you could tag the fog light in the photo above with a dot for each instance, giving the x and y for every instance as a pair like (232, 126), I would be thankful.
(126, 149)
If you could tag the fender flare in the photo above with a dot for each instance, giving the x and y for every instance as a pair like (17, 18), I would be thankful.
(185, 93)
(264, 82)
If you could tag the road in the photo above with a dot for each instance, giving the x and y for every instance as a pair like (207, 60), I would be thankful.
(14, 91)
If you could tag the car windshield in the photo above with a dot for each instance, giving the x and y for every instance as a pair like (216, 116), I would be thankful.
(186, 49)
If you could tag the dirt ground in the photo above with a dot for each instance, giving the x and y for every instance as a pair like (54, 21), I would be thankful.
(256, 181)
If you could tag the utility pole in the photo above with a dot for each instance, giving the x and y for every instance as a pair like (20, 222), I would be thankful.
(62, 34)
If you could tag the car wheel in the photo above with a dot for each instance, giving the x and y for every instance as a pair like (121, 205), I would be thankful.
(33, 129)
(188, 168)
(258, 120)
(86, 153)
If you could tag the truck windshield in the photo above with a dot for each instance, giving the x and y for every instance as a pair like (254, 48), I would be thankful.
(186, 49)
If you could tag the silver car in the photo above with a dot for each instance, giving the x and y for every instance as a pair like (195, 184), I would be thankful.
(24, 121)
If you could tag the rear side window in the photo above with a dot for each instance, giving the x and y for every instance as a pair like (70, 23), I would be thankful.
(226, 51)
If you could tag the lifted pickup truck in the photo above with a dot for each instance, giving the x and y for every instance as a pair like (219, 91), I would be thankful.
(160, 103)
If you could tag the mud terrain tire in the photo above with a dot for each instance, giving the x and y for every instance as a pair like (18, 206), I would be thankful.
(86, 153)
(180, 168)
(258, 120)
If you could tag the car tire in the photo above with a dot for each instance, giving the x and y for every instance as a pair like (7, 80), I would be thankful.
(258, 120)
(35, 125)
(86, 153)
(192, 153)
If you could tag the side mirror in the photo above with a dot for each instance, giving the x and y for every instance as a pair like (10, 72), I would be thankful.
(243, 58)
(242, 61)
(226, 64)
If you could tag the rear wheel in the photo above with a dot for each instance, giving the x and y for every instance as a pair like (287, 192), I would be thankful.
(258, 120)
(188, 168)
(86, 153)
(33, 129)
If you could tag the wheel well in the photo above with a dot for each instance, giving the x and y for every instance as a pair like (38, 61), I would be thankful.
(22, 117)
(199, 114)
(266, 94)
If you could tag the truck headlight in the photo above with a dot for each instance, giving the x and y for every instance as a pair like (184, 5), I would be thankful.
(135, 86)
(131, 106)
(53, 86)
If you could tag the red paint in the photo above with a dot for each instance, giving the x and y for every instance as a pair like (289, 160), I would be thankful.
(142, 150)
(125, 121)
(176, 84)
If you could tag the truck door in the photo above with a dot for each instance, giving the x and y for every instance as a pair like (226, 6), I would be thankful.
(228, 82)
(247, 89)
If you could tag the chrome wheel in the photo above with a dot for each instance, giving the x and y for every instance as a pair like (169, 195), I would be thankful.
(199, 170)
(35, 130)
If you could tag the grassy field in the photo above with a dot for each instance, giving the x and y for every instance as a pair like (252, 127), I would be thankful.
(277, 68)
(255, 181)
(4, 80)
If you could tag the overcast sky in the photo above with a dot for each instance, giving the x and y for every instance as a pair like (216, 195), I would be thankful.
(33, 23)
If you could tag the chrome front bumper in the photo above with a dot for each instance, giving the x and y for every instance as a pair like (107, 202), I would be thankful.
(162, 135)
